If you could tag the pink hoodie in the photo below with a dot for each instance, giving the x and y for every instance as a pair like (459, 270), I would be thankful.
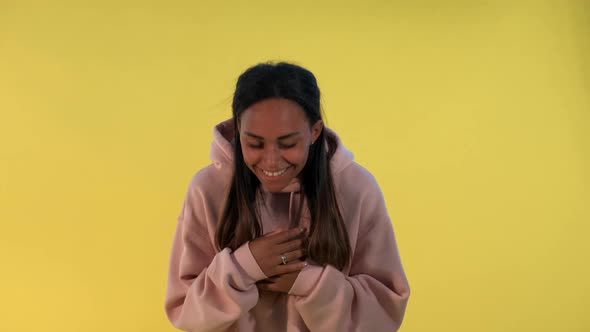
(210, 290)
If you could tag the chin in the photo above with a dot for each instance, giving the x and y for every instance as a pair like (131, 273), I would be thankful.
(274, 187)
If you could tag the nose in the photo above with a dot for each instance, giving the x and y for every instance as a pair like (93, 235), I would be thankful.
(272, 157)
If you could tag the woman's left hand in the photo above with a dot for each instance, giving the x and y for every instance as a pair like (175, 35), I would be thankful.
(281, 283)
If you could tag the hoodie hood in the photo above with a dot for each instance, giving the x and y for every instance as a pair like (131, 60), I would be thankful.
(222, 151)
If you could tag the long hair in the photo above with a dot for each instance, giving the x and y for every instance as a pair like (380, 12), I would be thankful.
(328, 239)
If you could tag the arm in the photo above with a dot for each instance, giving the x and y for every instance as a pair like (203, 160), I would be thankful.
(207, 291)
(375, 294)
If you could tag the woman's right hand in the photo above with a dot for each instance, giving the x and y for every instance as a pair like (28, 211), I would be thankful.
(268, 249)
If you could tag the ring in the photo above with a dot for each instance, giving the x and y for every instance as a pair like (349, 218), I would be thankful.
(283, 259)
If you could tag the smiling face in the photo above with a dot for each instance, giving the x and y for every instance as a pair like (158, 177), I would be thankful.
(275, 136)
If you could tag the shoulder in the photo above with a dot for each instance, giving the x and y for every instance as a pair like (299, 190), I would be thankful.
(360, 200)
(356, 180)
(350, 178)
(204, 201)
(359, 195)
(210, 185)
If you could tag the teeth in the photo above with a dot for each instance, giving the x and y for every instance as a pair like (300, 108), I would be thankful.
(267, 173)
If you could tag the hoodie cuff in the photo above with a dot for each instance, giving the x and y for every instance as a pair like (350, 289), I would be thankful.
(306, 280)
(247, 262)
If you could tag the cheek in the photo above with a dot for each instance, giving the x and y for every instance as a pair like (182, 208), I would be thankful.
(250, 156)
(297, 157)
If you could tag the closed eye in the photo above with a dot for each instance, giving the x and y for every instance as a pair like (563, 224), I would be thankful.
(287, 146)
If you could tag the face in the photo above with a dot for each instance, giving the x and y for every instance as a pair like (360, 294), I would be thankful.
(275, 136)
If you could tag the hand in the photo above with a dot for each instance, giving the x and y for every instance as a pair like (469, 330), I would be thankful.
(268, 249)
(281, 283)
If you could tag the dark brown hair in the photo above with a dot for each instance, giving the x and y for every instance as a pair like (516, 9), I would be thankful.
(328, 239)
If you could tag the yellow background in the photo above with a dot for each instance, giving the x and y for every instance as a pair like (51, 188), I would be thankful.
(473, 115)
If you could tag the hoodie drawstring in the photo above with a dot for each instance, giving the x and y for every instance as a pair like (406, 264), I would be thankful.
(290, 207)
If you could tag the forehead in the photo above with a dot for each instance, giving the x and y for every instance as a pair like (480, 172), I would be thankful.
(273, 117)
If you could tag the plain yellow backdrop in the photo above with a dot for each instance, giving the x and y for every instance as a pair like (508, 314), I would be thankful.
(473, 115)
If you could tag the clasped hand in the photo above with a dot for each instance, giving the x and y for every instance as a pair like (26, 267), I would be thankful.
(269, 250)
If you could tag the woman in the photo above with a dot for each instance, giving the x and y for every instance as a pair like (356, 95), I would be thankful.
(284, 231)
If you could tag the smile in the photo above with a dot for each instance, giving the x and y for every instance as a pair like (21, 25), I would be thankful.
(274, 174)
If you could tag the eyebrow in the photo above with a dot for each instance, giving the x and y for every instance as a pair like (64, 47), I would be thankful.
(280, 138)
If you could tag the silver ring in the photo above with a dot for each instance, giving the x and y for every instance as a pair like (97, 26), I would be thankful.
(283, 260)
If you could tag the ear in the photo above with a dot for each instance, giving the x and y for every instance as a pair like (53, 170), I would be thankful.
(316, 130)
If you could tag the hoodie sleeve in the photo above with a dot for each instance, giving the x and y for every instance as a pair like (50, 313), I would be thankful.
(373, 297)
(207, 291)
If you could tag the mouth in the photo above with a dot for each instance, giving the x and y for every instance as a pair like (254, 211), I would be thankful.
(274, 174)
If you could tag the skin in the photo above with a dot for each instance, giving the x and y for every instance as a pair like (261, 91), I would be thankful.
(275, 137)
(267, 251)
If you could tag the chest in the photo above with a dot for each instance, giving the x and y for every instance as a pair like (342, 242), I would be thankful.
(282, 211)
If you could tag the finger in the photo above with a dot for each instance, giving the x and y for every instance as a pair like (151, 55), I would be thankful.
(294, 255)
(287, 235)
(290, 246)
(276, 231)
(263, 286)
(291, 256)
(269, 287)
(291, 267)
(268, 280)
(264, 281)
